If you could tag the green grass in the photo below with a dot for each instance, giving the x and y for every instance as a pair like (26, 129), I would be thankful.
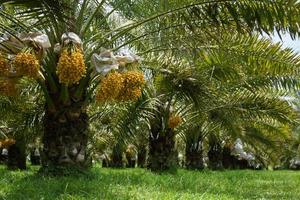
(115, 184)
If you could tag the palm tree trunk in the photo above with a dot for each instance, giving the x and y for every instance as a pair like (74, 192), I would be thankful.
(162, 151)
(17, 156)
(117, 157)
(3, 156)
(215, 154)
(142, 154)
(130, 161)
(228, 160)
(65, 139)
(35, 158)
(194, 155)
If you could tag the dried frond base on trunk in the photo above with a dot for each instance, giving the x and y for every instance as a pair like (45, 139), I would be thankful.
(162, 152)
(142, 156)
(65, 142)
(16, 157)
(194, 159)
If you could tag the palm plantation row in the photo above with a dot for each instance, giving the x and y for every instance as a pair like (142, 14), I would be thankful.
(81, 78)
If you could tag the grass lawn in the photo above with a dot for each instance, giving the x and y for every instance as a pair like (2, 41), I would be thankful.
(116, 184)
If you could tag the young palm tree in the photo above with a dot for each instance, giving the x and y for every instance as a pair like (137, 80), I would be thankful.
(234, 83)
(116, 126)
(194, 133)
(78, 29)
(247, 78)
(20, 120)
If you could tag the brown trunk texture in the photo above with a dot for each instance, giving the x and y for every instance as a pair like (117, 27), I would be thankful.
(162, 151)
(3, 157)
(117, 157)
(142, 155)
(65, 140)
(215, 156)
(232, 162)
(130, 161)
(16, 157)
(194, 156)
(34, 158)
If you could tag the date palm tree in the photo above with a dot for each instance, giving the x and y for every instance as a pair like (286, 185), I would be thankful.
(248, 77)
(82, 28)
(20, 122)
(235, 84)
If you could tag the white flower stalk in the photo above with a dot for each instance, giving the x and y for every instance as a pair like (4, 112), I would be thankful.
(105, 62)
(57, 48)
(126, 59)
(39, 39)
(71, 37)
(14, 44)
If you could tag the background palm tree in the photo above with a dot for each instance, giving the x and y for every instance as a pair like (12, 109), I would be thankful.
(20, 119)
(237, 85)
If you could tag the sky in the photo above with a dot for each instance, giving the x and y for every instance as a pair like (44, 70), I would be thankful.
(288, 42)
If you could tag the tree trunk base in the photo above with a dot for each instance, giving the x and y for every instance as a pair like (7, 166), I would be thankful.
(35, 160)
(194, 160)
(65, 143)
(117, 157)
(116, 161)
(130, 163)
(162, 153)
(215, 158)
(3, 156)
(16, 158)
(141, 157)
